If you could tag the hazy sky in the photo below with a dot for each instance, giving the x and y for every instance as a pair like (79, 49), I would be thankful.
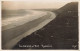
(36, 4)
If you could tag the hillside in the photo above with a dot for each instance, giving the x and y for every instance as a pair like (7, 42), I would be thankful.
(68, 7)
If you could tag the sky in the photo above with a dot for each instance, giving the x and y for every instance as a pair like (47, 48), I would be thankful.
(36, 4)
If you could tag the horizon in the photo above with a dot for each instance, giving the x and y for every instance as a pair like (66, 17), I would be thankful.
(16, 5)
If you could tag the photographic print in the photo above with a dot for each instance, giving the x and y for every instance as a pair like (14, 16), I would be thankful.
(39, 25)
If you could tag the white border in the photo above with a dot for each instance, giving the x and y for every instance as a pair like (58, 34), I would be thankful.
(39, 1)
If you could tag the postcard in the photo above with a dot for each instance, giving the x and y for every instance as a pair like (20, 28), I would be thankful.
(39, 25)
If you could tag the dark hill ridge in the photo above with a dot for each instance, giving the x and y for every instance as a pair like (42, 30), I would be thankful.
(68, 7)
(61, 33)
